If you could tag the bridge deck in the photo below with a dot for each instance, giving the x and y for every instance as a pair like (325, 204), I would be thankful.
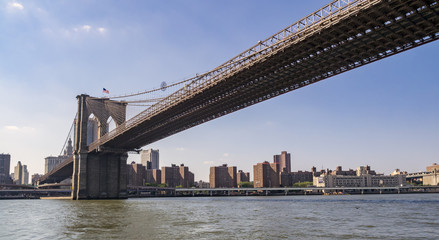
(59, 173)
(365, 32)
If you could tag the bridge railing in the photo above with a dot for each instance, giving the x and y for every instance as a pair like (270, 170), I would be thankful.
(245, 59)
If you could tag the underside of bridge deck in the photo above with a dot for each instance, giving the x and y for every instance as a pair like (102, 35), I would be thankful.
(343, 42)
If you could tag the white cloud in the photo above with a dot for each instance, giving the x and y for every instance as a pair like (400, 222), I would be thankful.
(102, 30)
(225, 154)
(180, 149)
(12, 128)
(208, 162)
(83, 28)
(15, 5)
(86, 28)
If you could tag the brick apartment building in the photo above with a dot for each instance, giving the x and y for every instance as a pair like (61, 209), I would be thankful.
(242, 176)
(222, 177)
(278, 173)
(175, 176)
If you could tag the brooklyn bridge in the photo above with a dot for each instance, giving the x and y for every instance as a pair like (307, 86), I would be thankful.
(343, 35)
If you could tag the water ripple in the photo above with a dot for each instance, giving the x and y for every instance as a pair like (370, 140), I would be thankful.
(405, 216)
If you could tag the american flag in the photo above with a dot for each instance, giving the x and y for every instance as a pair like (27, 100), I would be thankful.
(105, 91)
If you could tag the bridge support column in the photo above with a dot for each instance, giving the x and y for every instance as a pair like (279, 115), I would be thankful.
(99, 175)
(79, 177)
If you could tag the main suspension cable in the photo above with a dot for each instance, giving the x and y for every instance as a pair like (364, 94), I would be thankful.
(158, 89)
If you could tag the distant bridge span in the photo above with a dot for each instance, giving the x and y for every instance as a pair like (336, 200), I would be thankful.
(341, 36)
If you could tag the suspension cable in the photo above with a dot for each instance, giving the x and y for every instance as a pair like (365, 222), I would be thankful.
(144, 101)
(158, 89)
(68, 135)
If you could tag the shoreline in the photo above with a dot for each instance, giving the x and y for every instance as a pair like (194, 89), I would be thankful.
(148, 192)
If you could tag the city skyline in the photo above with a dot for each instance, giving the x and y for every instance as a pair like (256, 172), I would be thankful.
(383, 114)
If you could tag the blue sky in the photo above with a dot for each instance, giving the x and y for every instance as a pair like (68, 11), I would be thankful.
(385, 114)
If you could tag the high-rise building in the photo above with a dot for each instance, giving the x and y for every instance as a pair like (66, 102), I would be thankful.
(153, 176)
(136, 174)
(5, 164)
(5, 161)
(51, 162)
(18, 173)
(25, 179)
(35, 178)
(171, 175)
(266, 174)
(284, 160)
(21, 175)
(242, 176)
(223, 177)
(186, 177)
(175, 176)
(152, 156)
(288, 179)
(279, 174)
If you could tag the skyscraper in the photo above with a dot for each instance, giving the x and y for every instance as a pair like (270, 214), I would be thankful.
(18, 173)
(284, 160)
(21, 175)
(5, 161)
(152, 156)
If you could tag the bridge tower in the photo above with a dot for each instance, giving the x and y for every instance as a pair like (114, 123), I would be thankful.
(99, 174)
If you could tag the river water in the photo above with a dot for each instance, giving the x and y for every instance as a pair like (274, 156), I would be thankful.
(393, 216)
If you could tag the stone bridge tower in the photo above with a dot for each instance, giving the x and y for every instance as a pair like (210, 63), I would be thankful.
(99, 174)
